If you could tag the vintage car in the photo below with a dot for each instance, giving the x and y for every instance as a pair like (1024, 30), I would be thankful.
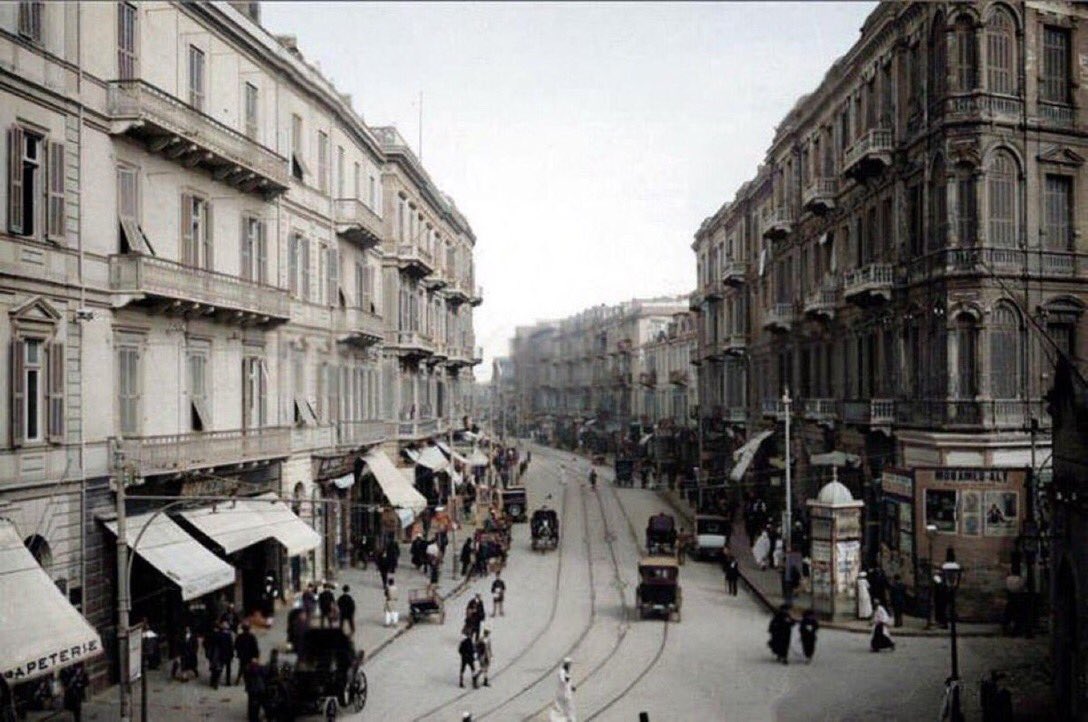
(515, 503)
(661, 534)
(544, 527)
(659, 587)
(711, 534)
(321, 675)
(625, 471)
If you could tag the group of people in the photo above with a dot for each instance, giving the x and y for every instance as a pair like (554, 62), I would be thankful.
(477, 553)
(323, 608)
(781, 631)
(873, 592)
(229, 638)
(475, 646)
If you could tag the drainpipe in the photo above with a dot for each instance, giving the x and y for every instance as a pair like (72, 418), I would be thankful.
(82, 344)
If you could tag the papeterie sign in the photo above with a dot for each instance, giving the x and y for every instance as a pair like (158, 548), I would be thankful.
(53, 660)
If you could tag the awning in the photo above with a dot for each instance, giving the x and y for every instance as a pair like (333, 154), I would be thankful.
(344, 482)
(645, 439)
(183, 560)
(432, 458)
(40, 632)
(452, 453)
(235, 525)
(744, 455)
(834, 458)
(406, 516)
(398, 488)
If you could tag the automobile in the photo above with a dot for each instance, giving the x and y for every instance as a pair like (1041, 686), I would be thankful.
(515, 503)
(625, 471)
(659, 589)
(661, 534)
(544, 527)
(322, 675)
(711, 534)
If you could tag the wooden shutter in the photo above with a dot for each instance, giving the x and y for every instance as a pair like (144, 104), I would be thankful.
(247, 401)
(334, 275)
(292, 263)
(18, 392)
(262, 254)
(188, 243)
(247, 250)
(209, 257)
(16, 141)
(304, 244)
(55, 193)
(262, 391)
(55, 393)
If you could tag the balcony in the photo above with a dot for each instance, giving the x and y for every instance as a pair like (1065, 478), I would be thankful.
(416, 428)
(478, 297)
(869, 154)
(773, 408)
(189, 137)
(1035, 263)
(819, 196)
(436, 281)
(477, 355)
(734, 273)
(779, 317)
(735, 414)
(648, 379)
(363, 433)
(821, 409)
(821, 303)
(410, 343)
(779, 224)
(414, 261)
(679, 377)
(714, 290)
(982, 108)
(177, 453)
(695, 301)
(869, 412)
(457, 292)
(306, 439)
(177, 289)
(357, 223)
(1058, 115)
(734, 343)
(869, 283)
(951, 414)
(357, 327)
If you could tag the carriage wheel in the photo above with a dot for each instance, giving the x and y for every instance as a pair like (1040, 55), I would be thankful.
(330, 709)
(358, 690)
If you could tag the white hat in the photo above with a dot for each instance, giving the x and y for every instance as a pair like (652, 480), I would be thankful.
(566, 660)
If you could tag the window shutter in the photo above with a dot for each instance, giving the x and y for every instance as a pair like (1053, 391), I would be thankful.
(334, 275)
(247, 250)
(263, 392)
(262, 254)
(15, 179)
(292, 263)
(188, 243)
(56, 392)
(247, 402)
(322, 379)
(18, 391)
(305, 246)
(209, 260)
(55, 193)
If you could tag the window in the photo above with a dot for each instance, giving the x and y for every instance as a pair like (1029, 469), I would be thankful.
(323, 162)
(196, 232)
(941, 509)
(298, 166)
(938, 52)
(1001, 52)
(254, 392)
(340, 171)
(30, 19)
(356, 188)
(938, 206)
(964, 54)
(298, 266)
(196, 78)
(126, 41)
(251, 104)
(33, 389)
(331, 257)
(197, 366)
(128, 388)
(966, 336)
(1054, 87)
(1058, 213)
(1005, 353)
(966, 207)
(372, 193)
(254, 244)
(1001, 188)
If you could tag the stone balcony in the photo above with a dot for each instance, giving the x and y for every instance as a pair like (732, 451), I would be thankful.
(414, 261)
(735, 344)
(734, 273)
(980, 260)
(458, 292)
(695, 301)
(477, 355)
(648, 379)
(779, 317)
(189, 137)
(679, 377)
(821, 303)
(821, 409)
(176, 289)
(178, 453)
(779, 224)
(358, 327)
(416, 428)
(409, 343)
(869, 154)
(363, 433)
(357, 223)
(983, 107)
(309, 438)
(956, 414)
(869, 412)
(820, 195)
(477, 297)
(873, 282)
(773, 408)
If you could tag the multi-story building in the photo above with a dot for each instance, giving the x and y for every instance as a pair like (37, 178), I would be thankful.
(669, 397)
(905, 261)
(209, 259)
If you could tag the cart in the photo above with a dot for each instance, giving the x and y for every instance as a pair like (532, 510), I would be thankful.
(544, 527)
(426, 604)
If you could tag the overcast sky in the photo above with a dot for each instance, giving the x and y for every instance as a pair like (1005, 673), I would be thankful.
(584, 142)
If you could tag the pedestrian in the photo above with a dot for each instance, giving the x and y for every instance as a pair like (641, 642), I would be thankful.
(230, 616)
(865, 602)
(940, 601)
(593, 478)
(778, 556)
(477, 615)
(417, 551)
(732, 572)
(563, 711)
(466, 557)
(483, 658)
(498, 595)
(255, 689)
(346, 603)
(880, 638)
(467, 650)
(246, 649)
(808, 628)
(897, 593)
(190, 646)
(392, 616)
(781, 628)
(74, 679)
(213, 653)
(878, 585)
(326, 601)
(309, 600)
(791, 580)
(761, 550)
(269, 592)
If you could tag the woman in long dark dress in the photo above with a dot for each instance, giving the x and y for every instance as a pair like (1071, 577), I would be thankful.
(780, 628)
(809, 625)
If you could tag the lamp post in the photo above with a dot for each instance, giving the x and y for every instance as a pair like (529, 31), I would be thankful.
(951, 575)
(931, 533)
(788, 525)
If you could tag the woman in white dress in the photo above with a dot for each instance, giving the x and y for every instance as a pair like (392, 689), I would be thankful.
(563, 711)
(762, 549)
(881, 638)
(865, 602)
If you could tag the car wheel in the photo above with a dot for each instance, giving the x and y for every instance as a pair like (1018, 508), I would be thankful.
(359, 690)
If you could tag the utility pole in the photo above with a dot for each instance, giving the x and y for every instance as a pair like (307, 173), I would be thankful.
(788, 531)
(124, 688)
(454, 511)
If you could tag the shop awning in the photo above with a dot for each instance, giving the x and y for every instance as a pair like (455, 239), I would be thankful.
(406, 516)
(744, 455)
(344, 482)
(432, 458)
(169, 548)
(398, 488)
(453, 453)
(645, 439)
(834, 458)
(40, 632)
(235, 525)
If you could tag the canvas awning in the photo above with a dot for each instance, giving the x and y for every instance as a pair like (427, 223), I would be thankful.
(744, 455)
(834, 458)
(183, 560)
(398, 488)
(453, 454)
(344, 482)
(40, 631)
(235, 525)
(432, 458)
(406, 517)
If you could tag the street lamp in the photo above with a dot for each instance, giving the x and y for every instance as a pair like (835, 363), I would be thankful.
(952, 575)
(931, 533)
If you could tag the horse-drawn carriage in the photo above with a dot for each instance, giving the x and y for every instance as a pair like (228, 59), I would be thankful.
(544, 528)
(661, 534)
(321, 675)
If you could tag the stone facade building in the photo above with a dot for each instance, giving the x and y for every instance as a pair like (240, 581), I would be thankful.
(912, 235)
(218, 278)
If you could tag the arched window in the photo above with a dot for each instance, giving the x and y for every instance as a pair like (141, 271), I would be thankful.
(966, 206)
(1005, 345)
(966, 336)
(938, 60)
(1001, 188)
(964, 55)
(39, 549)
(938, 206)
(1001, 52)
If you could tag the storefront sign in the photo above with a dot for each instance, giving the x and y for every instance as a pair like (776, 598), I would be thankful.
(53, 660)
(971, 476)
(897, 484)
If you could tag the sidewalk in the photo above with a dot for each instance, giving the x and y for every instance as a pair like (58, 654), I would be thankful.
(766, 585)
(173, 701)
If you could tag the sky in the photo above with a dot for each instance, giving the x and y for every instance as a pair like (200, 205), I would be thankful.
(585, 142)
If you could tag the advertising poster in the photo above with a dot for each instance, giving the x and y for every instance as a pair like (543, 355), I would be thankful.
(847, 565)
(972, 513)
(1001, 515)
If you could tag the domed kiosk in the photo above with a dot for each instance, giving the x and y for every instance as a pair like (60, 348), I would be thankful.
(836, 549)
